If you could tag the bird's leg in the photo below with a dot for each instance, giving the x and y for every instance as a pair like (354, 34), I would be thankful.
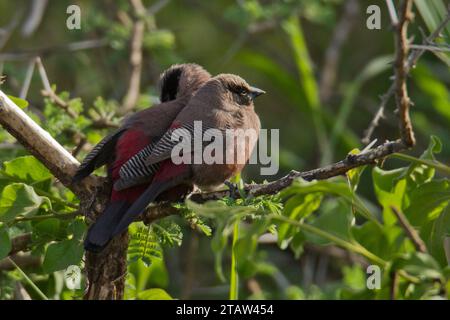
(234, 189)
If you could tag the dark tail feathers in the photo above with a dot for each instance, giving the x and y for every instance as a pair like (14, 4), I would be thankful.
(153, 191)
(100, 233)
(120, 214)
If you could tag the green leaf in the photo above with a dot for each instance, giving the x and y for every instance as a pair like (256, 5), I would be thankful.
(334, 187)
(245, 247)
(62, 254)
(77, 228)
(434, 233)
(218, 209)
(354, 174)
(296, 208)
(224, 216)
(168, 232)
(384, 180)
(354, 277)
(435, 89)
(19, 199)
(335, 218)
(418, 172)
(143, 244)
(27, 169)
(381, 241)
(5, 242)
(48, 228)
(21, 103)
(420, 265)
(427, 202)
(371, 237)
(194, 220)
(389, 190)
(297, 243)
(154, 294)
(433, 12)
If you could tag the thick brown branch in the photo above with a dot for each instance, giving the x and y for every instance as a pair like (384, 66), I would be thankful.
(92, 193)
(39, 143)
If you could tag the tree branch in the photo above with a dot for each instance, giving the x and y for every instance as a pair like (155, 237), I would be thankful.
(42, 52)
(39, 143)
(333, 53)
(137, 38)
(401, 73)
(92, 192)
(20, 243)
(410, 231)
(412, 61)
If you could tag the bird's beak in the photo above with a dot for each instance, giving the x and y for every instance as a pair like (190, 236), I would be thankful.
(255, 92)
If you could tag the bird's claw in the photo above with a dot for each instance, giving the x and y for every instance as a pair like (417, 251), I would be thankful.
(234, 189)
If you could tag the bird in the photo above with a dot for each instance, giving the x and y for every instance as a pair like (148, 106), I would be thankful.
(177, 85)
(225, 102)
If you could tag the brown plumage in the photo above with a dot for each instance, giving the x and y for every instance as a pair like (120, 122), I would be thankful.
(178, 84)
(224, 102)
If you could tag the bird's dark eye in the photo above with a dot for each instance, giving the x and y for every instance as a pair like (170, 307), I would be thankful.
(240, 91)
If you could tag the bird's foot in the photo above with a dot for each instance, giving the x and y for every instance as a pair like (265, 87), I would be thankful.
(234, 189)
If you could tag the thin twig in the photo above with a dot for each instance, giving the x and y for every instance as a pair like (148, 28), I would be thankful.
(43, 74)
(134, 83)
(412, 61)
(25, 260)
(82, 142)
(20, 293)
(64, 216)
(435, 48)
(27, 81)
(34, 17)
(409, 230)
(157, 6)
(6, 32)
(392, 12)
(43, 52)
(48, 91)
(103, 123)
(401, 73)
(333, 53)
(393, 275)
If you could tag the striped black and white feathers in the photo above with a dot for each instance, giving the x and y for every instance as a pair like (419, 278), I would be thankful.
(99, 155)
(146, 162)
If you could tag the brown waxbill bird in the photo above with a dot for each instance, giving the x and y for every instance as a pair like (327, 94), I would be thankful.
(143, 128)
(225, 102)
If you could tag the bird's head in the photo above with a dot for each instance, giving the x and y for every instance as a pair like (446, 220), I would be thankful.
(234, 90)
(181, 80)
